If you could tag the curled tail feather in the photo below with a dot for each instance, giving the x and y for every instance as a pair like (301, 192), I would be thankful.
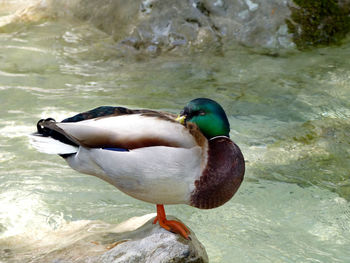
(50, 141)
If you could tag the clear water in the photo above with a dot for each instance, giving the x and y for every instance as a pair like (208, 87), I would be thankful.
(289, 114)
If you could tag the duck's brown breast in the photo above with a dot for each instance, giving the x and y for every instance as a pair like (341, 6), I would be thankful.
(222, 176)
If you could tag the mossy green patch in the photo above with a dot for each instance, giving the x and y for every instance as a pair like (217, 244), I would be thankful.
(319, 22)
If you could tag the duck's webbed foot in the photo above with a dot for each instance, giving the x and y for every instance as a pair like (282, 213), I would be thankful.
(170, 225)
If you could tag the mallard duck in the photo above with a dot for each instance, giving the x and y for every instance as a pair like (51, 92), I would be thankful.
(153, 156)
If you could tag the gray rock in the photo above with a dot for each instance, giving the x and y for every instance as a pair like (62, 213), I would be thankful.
(170, 24)
(154, 26)
(135, 240)
(155, 245)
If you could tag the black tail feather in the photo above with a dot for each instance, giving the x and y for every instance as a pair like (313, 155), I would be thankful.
(47, 132)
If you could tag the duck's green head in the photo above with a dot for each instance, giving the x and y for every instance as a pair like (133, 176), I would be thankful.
(209, 116)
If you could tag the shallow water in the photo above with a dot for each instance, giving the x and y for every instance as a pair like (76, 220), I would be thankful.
(288, 113)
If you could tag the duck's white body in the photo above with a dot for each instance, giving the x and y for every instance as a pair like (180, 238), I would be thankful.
(159, 174)
(140, 173)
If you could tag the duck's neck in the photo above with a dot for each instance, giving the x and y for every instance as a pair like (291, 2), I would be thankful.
(220, 136)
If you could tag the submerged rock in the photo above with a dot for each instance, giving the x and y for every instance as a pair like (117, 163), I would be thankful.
(135, 240)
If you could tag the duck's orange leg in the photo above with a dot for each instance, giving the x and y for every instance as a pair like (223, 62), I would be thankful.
(170, 225)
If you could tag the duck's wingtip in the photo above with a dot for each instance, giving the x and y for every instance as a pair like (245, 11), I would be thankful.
(49, 145)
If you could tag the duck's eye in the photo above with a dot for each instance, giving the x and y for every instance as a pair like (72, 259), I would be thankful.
(201, 113)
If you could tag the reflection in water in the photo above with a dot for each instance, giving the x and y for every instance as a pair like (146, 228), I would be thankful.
(290, 115)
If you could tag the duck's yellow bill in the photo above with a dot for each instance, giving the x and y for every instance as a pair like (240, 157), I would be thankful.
(181, 119)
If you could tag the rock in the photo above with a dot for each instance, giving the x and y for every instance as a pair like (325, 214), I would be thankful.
(317, 23)
(155, 245)
(151, 243)
(135, 240)
(169, 25)
(156, 26)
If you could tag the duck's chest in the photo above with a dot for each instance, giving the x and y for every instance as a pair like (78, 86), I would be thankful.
(222, 175)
